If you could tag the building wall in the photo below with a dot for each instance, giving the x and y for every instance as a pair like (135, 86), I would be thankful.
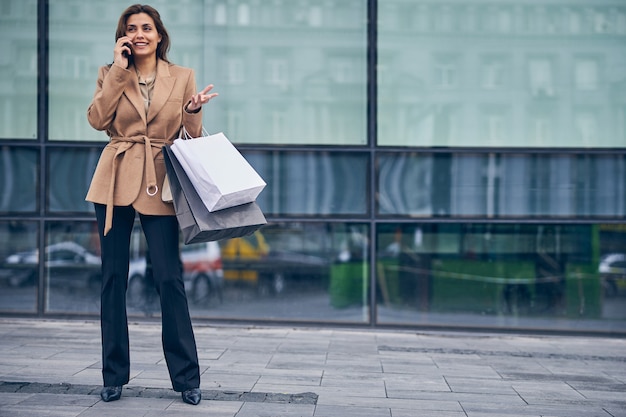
(429, 163)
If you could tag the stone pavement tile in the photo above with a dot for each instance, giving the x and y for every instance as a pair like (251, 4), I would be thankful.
(413, 357)
(572, 367)
(480, 386)
(303, 346)
(372, 392)
(269, 410)
(399, 412)
(391, 403)
(420, 382)
(116, 412)
(133, 404)
(609, 385)
(354, 381)
(50, 368)
(205, 408)
(163, 382)
(504, 365)
(86, 376)
(80, 355)
(10, 369)
(278, 332)
(297, 361)
(354, 365)
(399, 366)
(151, 372)
(58, 400)
(339, 411)
(508, 410)
(205, 355)
(290, 379)
(239, 359)
(288, 388)
(397, 338)
(460, 369)
(606, 397)
(616, 411)
(155, 376)
(500, 413)
(42, 411)
(8, 398)
(228, 381)
(534, 392)
(459, 397)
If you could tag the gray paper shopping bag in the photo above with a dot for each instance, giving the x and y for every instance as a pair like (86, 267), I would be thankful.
(196, 222)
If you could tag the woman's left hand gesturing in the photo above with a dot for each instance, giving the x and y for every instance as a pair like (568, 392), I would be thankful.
(203, 97)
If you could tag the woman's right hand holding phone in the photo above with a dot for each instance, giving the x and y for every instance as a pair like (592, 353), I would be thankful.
(122, 52)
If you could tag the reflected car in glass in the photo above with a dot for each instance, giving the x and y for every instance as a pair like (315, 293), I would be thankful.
(612, 270)
(202, 274)
(274, 261)
(67, 264)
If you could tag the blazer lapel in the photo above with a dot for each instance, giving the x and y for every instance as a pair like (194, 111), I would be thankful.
(133, 93)
(163, 86)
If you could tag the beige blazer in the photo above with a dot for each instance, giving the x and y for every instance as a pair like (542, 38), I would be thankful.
(131, 169)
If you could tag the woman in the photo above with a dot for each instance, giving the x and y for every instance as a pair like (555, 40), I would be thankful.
(142, 101)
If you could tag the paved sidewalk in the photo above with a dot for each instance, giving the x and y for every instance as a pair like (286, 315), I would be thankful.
(52, 368)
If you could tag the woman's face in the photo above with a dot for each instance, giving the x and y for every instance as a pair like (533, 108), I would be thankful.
(144, 37)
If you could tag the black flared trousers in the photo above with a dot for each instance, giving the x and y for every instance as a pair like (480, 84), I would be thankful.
(179, 345)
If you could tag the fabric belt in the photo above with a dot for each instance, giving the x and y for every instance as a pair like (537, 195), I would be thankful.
(124, 144)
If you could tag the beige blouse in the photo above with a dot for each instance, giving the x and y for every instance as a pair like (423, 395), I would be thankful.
(147, 88)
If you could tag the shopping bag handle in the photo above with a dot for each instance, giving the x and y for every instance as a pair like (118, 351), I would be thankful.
(183, 134)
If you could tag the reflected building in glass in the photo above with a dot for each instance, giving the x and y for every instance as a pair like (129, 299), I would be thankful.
(429, 164)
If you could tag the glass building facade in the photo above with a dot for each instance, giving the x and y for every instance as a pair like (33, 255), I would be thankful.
(429, 164)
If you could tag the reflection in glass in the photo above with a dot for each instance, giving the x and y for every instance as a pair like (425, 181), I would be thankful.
(501, 185)
(18, 179)
(72, 267)
(19, 265)
(292, 73)
(69, 174)
(471, 56)
(73, 270)
(74, 61)
(18, 69)
(312, 183)
(514, 276)
(288, 271)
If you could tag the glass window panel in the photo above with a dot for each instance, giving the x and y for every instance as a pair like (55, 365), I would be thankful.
(472, 57)
(286, 271)
(18, 179)
(72, 267)
(18, 69)
(73, 275)
(74, 61)
(502, 185)
(19, 266)
(310, 183)
(526, 276)
(69, 175)
(303, 76)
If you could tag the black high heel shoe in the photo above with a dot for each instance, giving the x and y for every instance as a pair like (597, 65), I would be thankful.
(111, 393)
(192, 396)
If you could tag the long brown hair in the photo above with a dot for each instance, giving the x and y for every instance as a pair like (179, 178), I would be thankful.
(163, 46)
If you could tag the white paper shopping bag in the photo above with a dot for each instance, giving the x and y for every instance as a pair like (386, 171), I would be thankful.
(220, 174)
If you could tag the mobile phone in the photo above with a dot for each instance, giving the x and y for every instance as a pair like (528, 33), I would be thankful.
(127, 53)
